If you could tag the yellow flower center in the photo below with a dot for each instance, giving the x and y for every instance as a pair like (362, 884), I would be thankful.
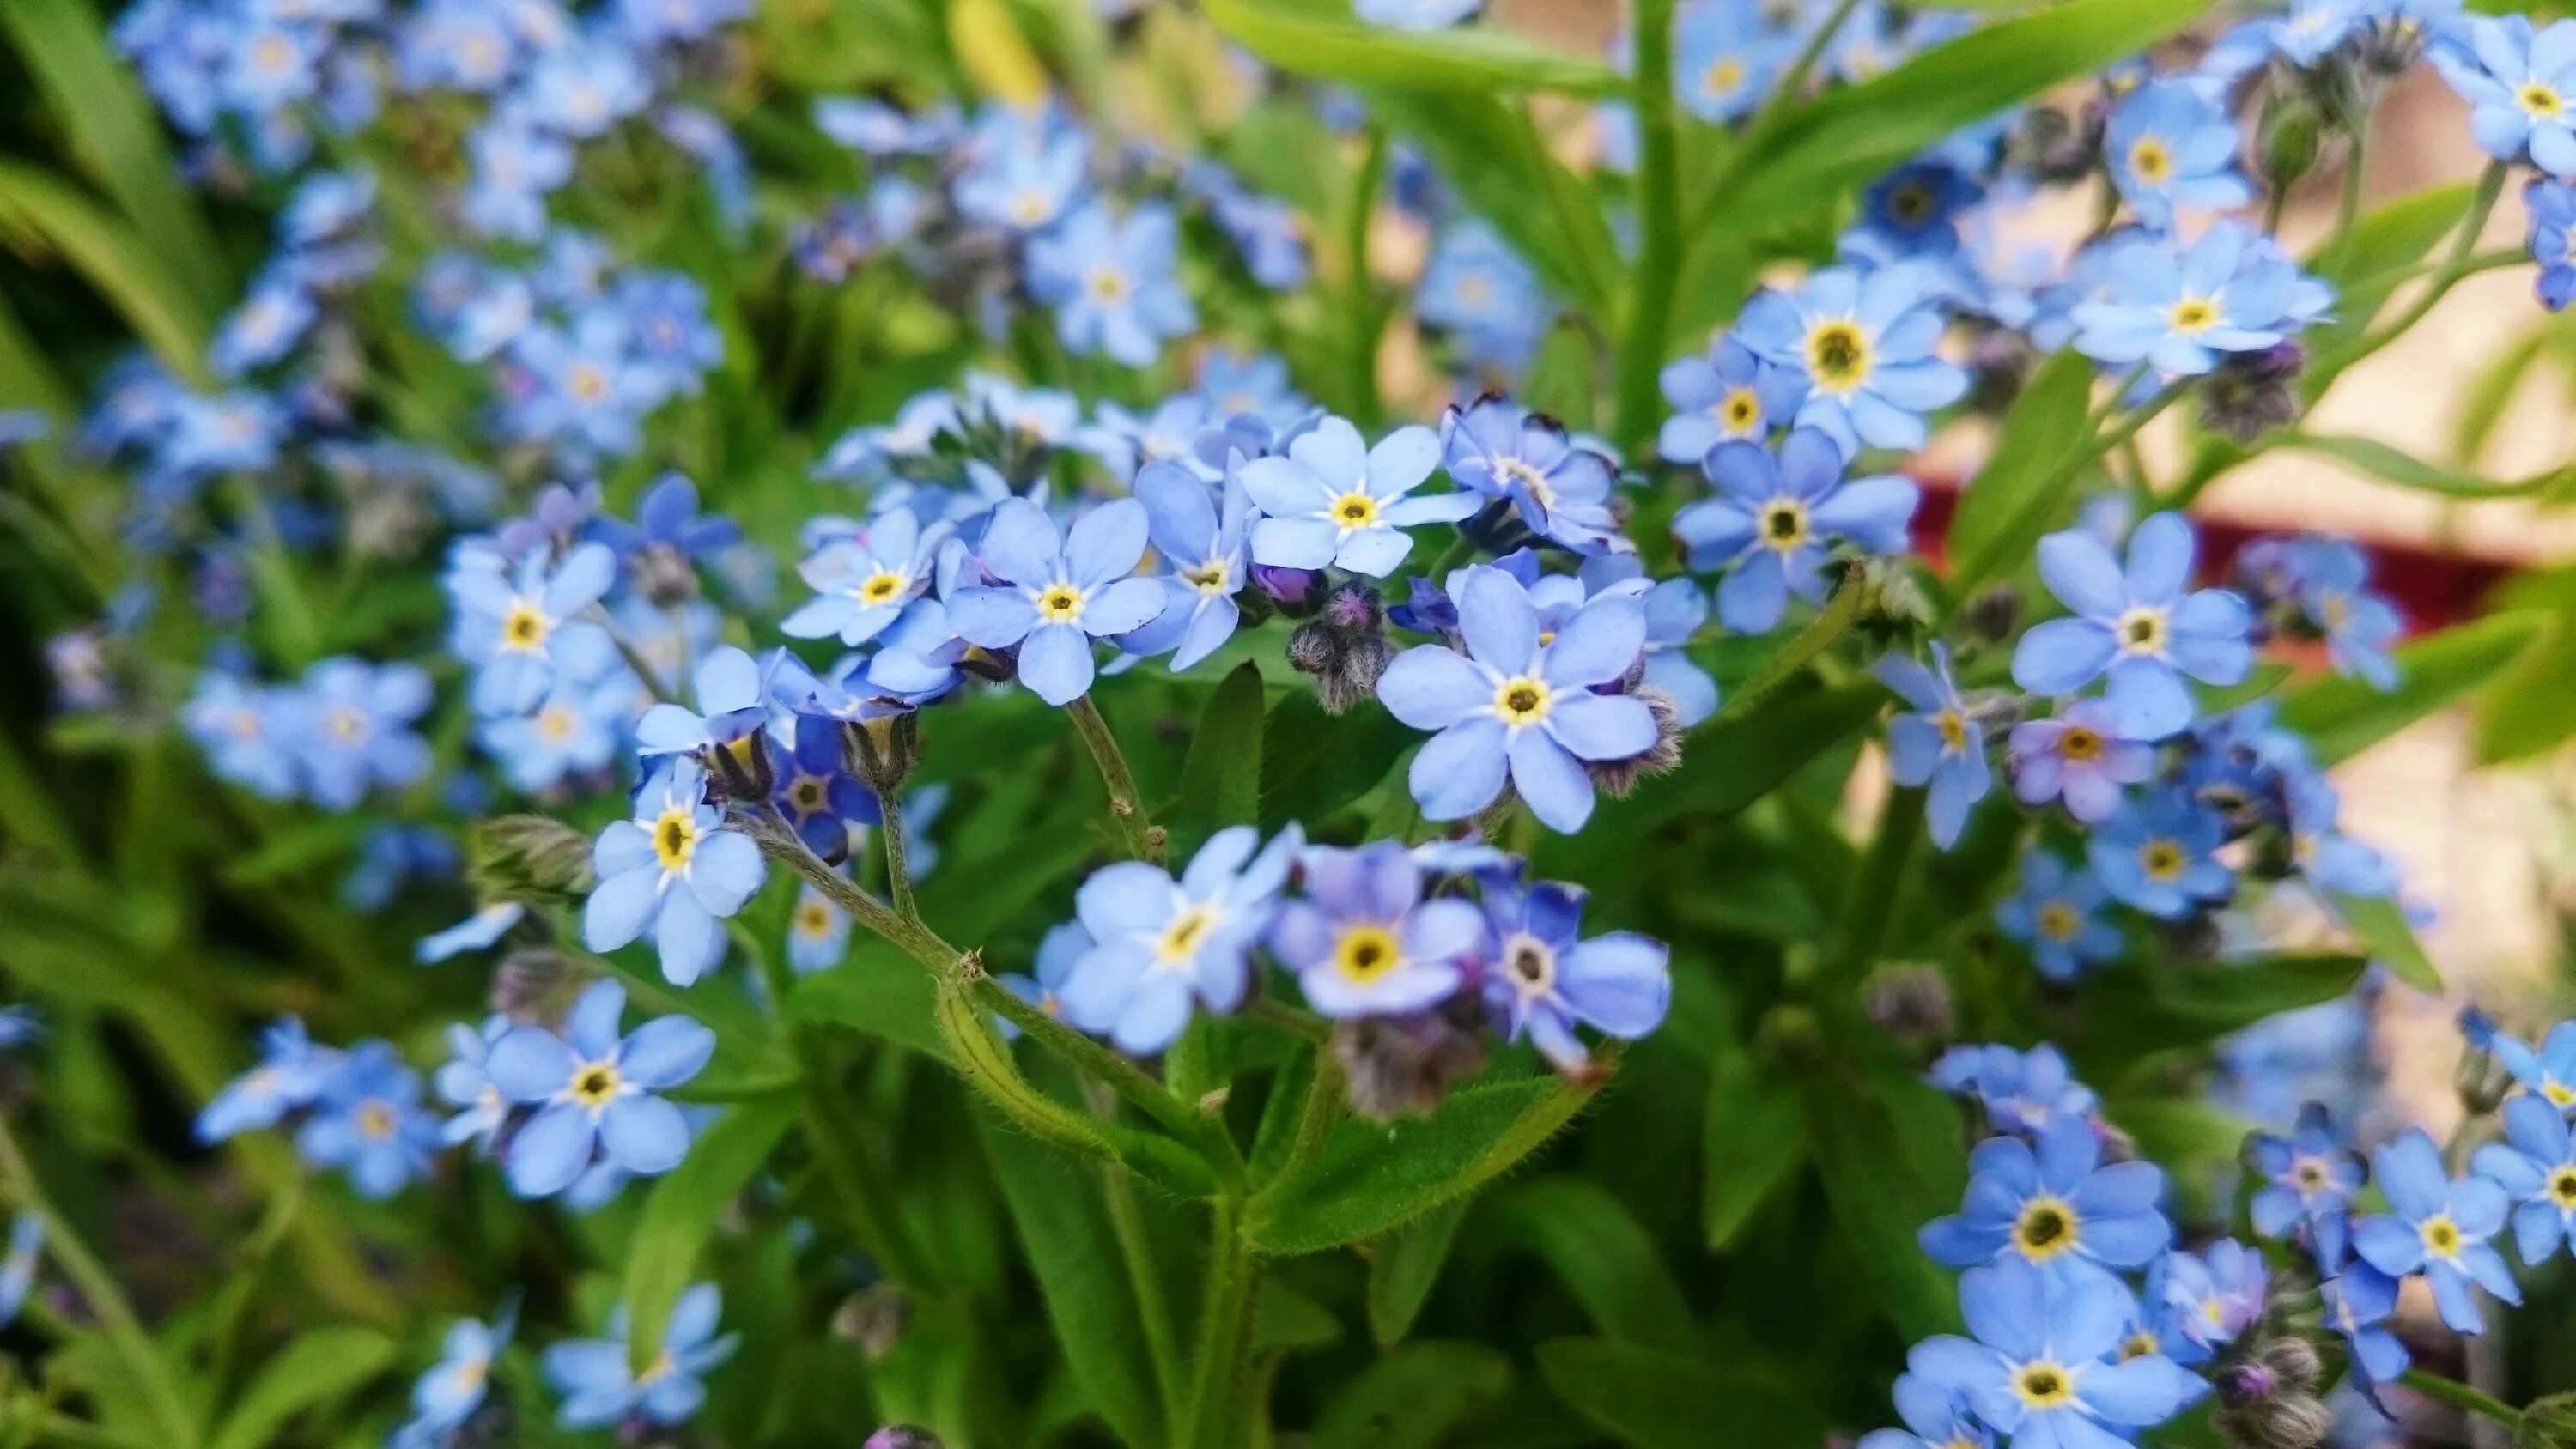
(1214, 578)
(2045, 1228)
(1739, 409)
(883, 586)
(2562, 1187)
(595, 1085)
(2057, 921)
(675, 838)
(1838, 356)
(2077, 743)
(1954, 731)
(813, 919)
(2193, 315)
(2141, 631)
(345, 725)
(2441, 1235)
(376, 1120)
(2151, 160)
(2559, 1095)
(1107, 285)
(1531, 480)
(2162, 860)
(1060, 604)
(1031, 207)
(1354, 510)
(587, 382)
(273, 54)
(1785, 525)
(2541, 101)
(2043, 1385)
(2138, 1345)
(1365, 953)
(555, 723)
(1724, 76)
(2310, 1175)
(1181, 937)
(1522, 700)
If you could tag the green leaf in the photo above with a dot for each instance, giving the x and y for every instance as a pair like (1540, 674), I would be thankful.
(2369, 264)
(1283, 1318)
(318, 1367)
(2374, 459)
(2343, 716)
(1729, 765)
(2524, 714)
(1055, 1202)
(2230, 995)
(40, 211)
(1221, 778)
(2380, 923)
(878, 991)
(1880, 1183)
(1371, 1177)
(1561, 377)
(1407, 1262)
(1602, 1255)
(1660, 1400)
(1754, 1139)
(2006, 507)
(681, 1211)
(1412, 1396)
(1855, 134)
(1480, 59)
(1313, 764)
(977, 1053)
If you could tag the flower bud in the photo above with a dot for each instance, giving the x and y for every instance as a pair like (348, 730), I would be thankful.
(2294, 1420)
(902, 1436)
(1295, 591)
(534, 859)
(881, 750)
(741, 770)
(1344, 646)
(535, 987)
(2287, 136)
(1992, 615)
(1910, 1001)
(1394, 1065)
(663, 576)
(1616, 778)
(875, 1319)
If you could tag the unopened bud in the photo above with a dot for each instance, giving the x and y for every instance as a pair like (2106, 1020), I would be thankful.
(533, 859)
(2290, 1420)
(1394, 1065)
(1295, 591)
(663, 576)
(534, 987)
(1992, 615)
(2287, 136)
(1910, 1001)
(1344, 646)
(1616, 778)
(874, 1319)
(741, 769)
(882, 750)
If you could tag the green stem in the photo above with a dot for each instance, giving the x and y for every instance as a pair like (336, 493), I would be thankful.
(2460, 1396)
(1977, 571)
(2348, 205)
(1365, 314)
(1135, 1245)
(98, 1288)
(898, 854)
(1815, 639)
(2454, 266)
(1460, 549)
(1871, 902)
(1326, 1096)
(1707, 219)
(1296, 1021)
(1225, 1320)
(634, 657)
(1126, 807)
(1659, 250)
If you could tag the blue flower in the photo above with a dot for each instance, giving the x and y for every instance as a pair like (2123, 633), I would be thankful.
(592, 1091)
(1725, 58)
(817, 797)
(2139, 625)
(476, 932)
(2207, 1300)
(2536, 1165)
(1481, 292)
(1058, 592)
(582, 87)
(2230, 291)
(1364, 942)
(2331, 861)
(1913, 210)
(464, 1081)
(20, 1026)
(1676, 610)
(598, 1382)
(2520, 86)
(2060, 1207)
(239, 726)
(2552, 208)
(1935, 1418)
(2331, 576)
(673, 867)
(818, 931)
(2039, 1368)
(588, 395)
(1125, 441)
(2021, 1092)
(267, 323)
(1544, 980)
(576, 730)
(1158, 943)
(866, 580)
(1863, 341)
(18, 1264)
(291, 1074)
(2078, 756)
(2359, 1302)
(368, 1119)
(1729, 394)
(1335, 502)
(1415, 14)
(2169, 145)
(668, 524)
(1114, 283)
(2439, 1228)
(2309, 1181)
(2307, 33)
(1059, 950)
(1514, 704)
(453, 1388)
(2053, 915)
(522, 634)
(729, 724)
(1208, 554)
(1025, 179)
(513, 167)
(1234, 384)
(2156, 855)
(1773, 519)
(1940, 745)
(2550, 1071)
(351, 729)
(1515, 456)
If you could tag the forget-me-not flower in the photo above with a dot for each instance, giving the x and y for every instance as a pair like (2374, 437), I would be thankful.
(18, 1264)
(1940, 745)
(2058, 1207)
(2142, 625)
(1864, 343)
(1334, 501)
(1935, 1418)
(1160, 943)
(2039, 1368)
(865, 581)
(1058, 591)
(674, 868)
(2437, 1227)
(1208, 552)
(2549, 1070)
(1729, 394)
(2230, 291)
(2157, 854)
(368, 1119)
(2536, 1164)
(600, 1387)
(1545, 979)
(351, 728)
(522, 634)
(2309, 1179)
(2359, 1303)
(2169, 145)
(1772, 520)
(1506, 452)
(1114, 282)
(2520, 83)
(2053, 914)
(2078, 755)
(2551, 206)
(454, 1387)
(1519, 701)
(1364, 942)
(1724, 59)
(593, 1091)
(291, 1074)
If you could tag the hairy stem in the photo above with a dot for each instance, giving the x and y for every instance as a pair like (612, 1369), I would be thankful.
(1659, 250)
(1126, 807)
(1144, 1278)
(898, 852)
(1212, 1420)
(1871, 902)
(2460, 1396)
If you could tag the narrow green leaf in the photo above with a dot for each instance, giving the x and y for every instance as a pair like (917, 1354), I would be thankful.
(1412, 1396)
(2343, 716)
(1313, 764)
(2006, 507)
(2369, 264)
(1480, 59)
(878, 991)
(1602, 1255)
(1880, 1190)
(1754, 1139)
(40, 210)
(1727, 766)
(681, 1211)
(1493, 153)
(2380, 923)
(1055, 1203)
(1221, 778)
(2525, 713)
(1283, 1318)
(1659, 1400)
(1405, 1266)
(2374, 459)
(1371, 1177)
(2231, 995)
(319, 1367)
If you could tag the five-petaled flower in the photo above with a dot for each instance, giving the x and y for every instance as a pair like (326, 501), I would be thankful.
(675, 868)
(1058, 592)
(592, 1091)
(1158, 943)
(1364, 942)
(2437, 1227)
(2140, 626)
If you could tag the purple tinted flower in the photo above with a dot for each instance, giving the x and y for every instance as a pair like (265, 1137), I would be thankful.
(1543, 980)
(1364, 943)
(1561, 491)
(2078, 756)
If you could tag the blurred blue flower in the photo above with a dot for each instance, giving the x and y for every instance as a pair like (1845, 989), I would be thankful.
(2536, 1166)
(1058, 591)
(1364, 942)
(2360, 1301)
(1026, 182)
(2168, 145)
(2156, 854)
(2551, 206)
(1544, 980)
(2309, 1179)
(1333, 501)
(2550, 1071)
(368, 1119)
(588, 395)
(593, 1091)
(2332, 577)
(448, 1394)
(349, 725)
(2520, 85)
(2078, 756)
(1512, 704)
(583, 86)
(1484, 294)
(2439, 1228)
(512, 168)
(2230, 291)
(1114, 282)
(271, 319)
(600, 1387)
(18, 1264)
(2209, 1298)
(672, 867)
(1729, 394)
(464, 1082)
(1913, 211)
(291, 1074)
(2060, 1207)
(577, 729)
(1773, 519)
(524, 634)
(1207, 551)
(1863, 341)
(1235, 384)
(2053, 915)
(2139, 625)
(1059, 950)
(1940, 745)
(2330, 861)
(2021, 1091)
(818, 931)
(1725, 58)
(1158, 943)
(240, 727)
